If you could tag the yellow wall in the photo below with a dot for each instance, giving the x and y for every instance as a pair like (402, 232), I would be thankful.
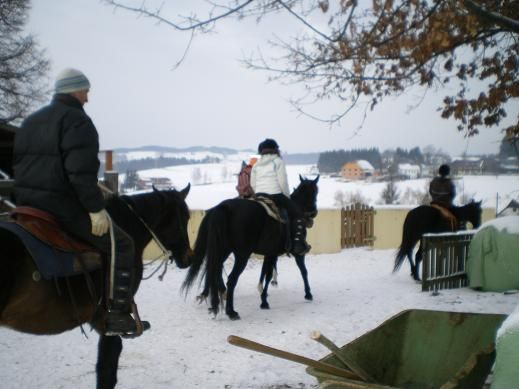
(325, 235)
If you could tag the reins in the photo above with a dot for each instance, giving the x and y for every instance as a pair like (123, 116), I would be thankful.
(163, 257)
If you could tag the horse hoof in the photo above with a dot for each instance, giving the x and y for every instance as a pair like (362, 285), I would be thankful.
(234, 316)
(309, 297)
(274, 283)
(265, 306)
(201, 299)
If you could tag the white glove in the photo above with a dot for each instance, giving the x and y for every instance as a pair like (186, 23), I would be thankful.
(100, 222)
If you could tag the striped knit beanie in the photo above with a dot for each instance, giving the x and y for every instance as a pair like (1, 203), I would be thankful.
(71, 80)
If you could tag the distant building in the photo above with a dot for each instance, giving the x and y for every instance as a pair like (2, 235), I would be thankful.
(466, 167)
(510, 210)
(408, 170)
(357, 170)
(161, 183)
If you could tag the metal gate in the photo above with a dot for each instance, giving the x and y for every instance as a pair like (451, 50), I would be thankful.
(444, 260)
(357, 225)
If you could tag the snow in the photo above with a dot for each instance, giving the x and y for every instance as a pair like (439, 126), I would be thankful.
(354, 291)
(509, 224)
(510, 325)
(222, 179)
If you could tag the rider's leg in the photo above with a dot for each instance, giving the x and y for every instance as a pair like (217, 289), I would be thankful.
(121, 275)
(299, 244)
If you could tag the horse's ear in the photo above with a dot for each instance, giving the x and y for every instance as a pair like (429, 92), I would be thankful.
(154, 189)
(317, 179)
(184, 192)
(301, 178)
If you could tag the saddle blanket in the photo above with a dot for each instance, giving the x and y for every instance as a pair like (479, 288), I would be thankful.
(271, 208)
(50, 261)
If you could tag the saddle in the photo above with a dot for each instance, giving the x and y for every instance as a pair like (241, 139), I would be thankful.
(448, 215)
(271, 208)
(55, 253)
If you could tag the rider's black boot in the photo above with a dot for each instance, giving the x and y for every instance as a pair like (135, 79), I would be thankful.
(299, 245)
(119, 320)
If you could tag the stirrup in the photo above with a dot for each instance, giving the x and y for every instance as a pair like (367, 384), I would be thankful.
(129, 326)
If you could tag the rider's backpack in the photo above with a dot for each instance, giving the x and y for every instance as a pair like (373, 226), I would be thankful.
(244, 188)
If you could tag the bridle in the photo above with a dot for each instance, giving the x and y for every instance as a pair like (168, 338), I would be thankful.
(163, 258)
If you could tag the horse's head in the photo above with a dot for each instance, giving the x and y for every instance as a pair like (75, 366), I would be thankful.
(170, 223)
(305, 195)
(473, 213)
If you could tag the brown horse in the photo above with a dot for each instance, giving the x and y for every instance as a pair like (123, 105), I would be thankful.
(31, 304)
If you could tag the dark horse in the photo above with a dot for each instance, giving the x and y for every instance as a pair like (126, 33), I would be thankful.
(45, 307)
(241, 227)
(428, 219)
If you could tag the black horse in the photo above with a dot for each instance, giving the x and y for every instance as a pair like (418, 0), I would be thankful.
(241, 227)
(44, 307)
(429, 219)
(267, 275)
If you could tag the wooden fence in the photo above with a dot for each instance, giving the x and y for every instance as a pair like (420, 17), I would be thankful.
(357, 226)
(444, 260)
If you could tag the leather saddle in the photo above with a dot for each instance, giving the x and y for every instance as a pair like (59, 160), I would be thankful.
(271, 208)
(448, 215)
(55, 253)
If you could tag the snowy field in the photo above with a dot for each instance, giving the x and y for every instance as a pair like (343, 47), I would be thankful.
(216, 182)
(354, 291)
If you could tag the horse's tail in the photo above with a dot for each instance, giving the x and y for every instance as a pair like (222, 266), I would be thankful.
(217, 252)
(199, 253)
(406, 246)
(400, 257)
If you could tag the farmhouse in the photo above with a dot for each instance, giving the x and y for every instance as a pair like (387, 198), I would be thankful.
(408, 170)
(357, 170)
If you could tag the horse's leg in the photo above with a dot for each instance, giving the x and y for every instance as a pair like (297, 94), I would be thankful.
(239, 265)
(300, 262)
(269, 263)
(418, 261)
(108, 351)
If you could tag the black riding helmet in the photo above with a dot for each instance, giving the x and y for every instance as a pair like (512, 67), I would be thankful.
(444, 170)
(268, 146)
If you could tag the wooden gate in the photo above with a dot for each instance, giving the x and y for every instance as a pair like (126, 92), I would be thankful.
(444, 260)
(357, 226)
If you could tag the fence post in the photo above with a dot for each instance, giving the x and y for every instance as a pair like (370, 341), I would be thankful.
(111, 177)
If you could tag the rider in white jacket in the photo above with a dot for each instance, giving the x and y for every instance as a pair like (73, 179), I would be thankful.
(269, 179)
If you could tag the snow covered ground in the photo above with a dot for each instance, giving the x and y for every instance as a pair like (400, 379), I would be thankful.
(354, 291)
(216, 182)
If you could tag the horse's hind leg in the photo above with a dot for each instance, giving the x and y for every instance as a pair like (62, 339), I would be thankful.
(418, 261)
(108, 351)
(232, 281)
(269, 264)
(300, 262)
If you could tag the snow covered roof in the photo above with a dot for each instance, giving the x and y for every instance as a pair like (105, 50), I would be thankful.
(365, 165)
(408, 167)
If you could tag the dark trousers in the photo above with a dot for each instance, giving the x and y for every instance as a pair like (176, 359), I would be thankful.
(124, 272)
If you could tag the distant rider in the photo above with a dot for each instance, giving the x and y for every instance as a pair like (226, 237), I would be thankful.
(269, 178)
(442, 189)
(55, 169)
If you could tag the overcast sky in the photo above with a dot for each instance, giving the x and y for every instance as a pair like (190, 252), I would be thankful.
(138, 99)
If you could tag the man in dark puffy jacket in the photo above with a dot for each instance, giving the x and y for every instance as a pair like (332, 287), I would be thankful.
(442, 189)
(55, 169)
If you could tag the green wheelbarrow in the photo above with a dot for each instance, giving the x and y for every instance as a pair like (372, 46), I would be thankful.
(419, 349)
(413, 349)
